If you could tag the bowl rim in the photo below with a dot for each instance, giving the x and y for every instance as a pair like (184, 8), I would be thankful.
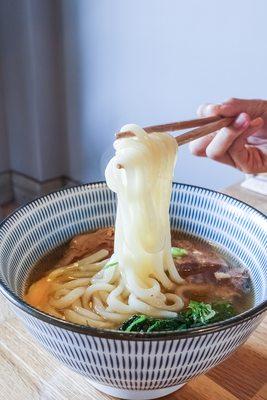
(129, 336)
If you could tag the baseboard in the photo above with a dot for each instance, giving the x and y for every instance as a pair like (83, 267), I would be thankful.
(21, 188)
(6, 187)
(26, 189)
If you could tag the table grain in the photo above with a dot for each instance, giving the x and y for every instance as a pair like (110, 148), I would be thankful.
(27, 372)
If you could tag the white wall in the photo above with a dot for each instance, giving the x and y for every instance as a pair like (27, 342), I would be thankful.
(155, 61)
(122, 61)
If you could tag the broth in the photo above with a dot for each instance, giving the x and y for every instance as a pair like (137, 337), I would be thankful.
(209, 275)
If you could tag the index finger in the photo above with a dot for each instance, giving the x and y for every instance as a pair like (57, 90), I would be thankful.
(208, 110)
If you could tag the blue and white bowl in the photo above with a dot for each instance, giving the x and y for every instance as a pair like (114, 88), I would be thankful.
(133, 366)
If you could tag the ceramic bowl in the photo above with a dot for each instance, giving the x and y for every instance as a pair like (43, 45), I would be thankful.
(133, 366)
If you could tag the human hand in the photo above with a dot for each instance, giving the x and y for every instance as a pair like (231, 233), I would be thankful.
(243, 144)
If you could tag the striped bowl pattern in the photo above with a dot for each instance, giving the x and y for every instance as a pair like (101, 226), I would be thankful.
(133, 365)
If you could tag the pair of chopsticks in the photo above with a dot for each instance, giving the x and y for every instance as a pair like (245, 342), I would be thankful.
(206, 126)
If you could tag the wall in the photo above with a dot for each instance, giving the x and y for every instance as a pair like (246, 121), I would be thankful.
(156, 61)
(4, 148)
(32, 76)
(75, 71)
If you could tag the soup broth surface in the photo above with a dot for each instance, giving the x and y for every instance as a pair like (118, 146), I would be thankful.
(209, 273)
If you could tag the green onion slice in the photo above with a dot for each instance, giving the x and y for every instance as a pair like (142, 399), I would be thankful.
(111, 264)
(178, 252)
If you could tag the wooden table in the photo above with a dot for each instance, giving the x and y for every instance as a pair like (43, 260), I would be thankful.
(27, 372)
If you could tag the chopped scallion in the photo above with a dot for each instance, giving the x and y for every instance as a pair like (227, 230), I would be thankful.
(111, 264)
(178, 252)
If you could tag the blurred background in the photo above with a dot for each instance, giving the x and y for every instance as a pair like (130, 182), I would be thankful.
(73, 72)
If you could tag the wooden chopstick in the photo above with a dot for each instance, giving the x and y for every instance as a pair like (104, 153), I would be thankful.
(174, 126)
(203, 131)
(206, 126)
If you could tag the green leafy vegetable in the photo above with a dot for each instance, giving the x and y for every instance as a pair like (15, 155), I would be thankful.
(223, 310)
(178, 252)
(142, 323)
(170, 324)
(200, 312)
(136, 322)
(111, 264)
(196, 314)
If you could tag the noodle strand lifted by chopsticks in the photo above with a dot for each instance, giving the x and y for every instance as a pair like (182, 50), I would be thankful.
(140, 277)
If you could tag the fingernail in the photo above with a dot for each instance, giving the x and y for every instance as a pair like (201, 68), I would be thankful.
(211, 109)
(242, 121)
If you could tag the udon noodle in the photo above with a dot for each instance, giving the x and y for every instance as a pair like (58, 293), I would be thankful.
(140, 277)
(142, 230)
